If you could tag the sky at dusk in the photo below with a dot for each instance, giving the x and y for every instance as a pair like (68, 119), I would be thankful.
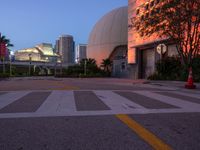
(30, 22)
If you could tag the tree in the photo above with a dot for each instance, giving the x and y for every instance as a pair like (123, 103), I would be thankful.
(90, 65)
(5, 40)
(106, 65)
(89, 61)
(176, 20)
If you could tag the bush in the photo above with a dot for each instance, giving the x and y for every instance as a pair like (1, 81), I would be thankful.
(92, 70)
(196, 69)
(170, 68)
(4, 75)
(155, 76)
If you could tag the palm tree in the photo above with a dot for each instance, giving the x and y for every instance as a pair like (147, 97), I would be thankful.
(6, 41)
(3, 39)
(88, 61)
(89, 65)
(106, 65)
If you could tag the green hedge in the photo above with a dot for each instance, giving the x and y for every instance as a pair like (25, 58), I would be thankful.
(170, 68)
(5, 75)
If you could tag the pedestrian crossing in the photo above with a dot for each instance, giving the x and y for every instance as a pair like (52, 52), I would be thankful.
(95, 102)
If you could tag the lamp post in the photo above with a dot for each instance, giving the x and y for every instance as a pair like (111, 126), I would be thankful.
(10, 57)
(85, 67)
(55, 67)
(30, 59)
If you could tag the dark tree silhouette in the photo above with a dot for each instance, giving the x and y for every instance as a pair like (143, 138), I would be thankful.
(106, 65)
(176, 20)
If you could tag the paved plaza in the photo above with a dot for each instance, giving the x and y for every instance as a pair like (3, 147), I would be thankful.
(110, 114)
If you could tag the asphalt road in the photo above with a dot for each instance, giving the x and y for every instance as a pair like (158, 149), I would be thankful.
(97, 114)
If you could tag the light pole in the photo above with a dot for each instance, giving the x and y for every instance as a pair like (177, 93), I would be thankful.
(10, 56)
(61, 66)
(30, 59)
(4, 70)
(85, 67)
(55, 68)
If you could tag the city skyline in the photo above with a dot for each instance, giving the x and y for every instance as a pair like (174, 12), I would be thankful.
(46, 20)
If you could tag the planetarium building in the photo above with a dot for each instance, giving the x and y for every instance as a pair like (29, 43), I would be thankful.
(109, 39)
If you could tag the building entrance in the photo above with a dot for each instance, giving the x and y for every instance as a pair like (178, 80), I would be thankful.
(147, 63)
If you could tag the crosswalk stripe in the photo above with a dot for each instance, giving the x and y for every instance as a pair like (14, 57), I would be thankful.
(58, 101)
(187, 94)
(170, 100)
(62, 103)
(10, 97)
(115, 101)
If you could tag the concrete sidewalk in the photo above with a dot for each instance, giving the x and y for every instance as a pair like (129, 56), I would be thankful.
(176, 85)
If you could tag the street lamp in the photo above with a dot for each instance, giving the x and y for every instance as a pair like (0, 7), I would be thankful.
(85, 67)
(30, 59)
(55, 67)
(10, 57)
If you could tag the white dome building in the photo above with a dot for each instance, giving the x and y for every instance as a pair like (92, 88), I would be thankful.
(109, 37)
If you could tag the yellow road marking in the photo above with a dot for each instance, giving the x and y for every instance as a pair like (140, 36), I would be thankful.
(146, 135)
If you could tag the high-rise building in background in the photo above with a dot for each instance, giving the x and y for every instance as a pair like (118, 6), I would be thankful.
(56, 48)
(81, 50)
(66, 49)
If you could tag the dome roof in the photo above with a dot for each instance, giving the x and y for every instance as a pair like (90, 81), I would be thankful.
(109, 32)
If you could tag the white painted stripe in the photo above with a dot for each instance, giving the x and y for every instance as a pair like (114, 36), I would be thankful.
(170, 100)
(67, 102)
(58, 101)
(187, 94)
(9, 98)
(51, 103)
(116, 102)
(96, 113)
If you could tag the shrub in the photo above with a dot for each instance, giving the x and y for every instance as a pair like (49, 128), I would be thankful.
(170, 68)
(4, 75)
(92, 70)
(196, 69)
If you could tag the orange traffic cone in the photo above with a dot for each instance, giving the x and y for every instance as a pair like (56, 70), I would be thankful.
(190, 82)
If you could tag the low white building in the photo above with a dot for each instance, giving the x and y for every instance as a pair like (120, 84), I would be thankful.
(40, 53)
